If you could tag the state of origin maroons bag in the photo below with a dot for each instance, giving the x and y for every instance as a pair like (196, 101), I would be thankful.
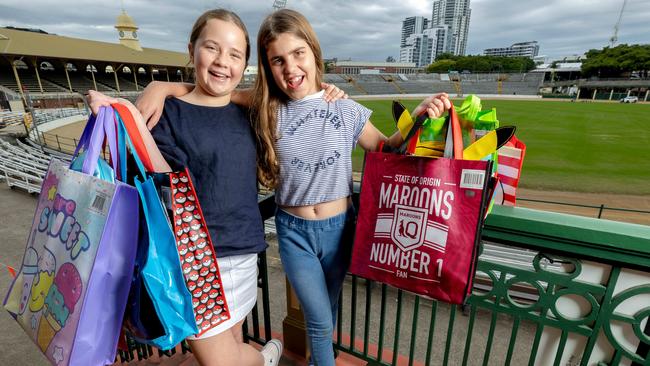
(420, 220)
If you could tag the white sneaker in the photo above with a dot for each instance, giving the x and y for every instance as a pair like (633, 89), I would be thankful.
(272, 351)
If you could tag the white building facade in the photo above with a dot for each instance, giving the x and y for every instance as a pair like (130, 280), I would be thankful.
(521, 49)
(455, 14)
(422, 45)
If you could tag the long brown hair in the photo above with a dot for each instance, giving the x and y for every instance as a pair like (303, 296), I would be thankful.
(267, 96)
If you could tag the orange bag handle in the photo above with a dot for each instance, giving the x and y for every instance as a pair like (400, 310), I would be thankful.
(134, 134)
(456, 133)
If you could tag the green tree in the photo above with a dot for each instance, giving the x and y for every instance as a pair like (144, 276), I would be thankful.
(446, 56)
(479, 63)
(613, 62)
(442, 66)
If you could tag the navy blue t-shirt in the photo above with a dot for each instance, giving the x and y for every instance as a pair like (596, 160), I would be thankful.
(217, 145)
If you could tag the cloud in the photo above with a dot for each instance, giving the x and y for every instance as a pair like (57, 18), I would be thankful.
(363, 30)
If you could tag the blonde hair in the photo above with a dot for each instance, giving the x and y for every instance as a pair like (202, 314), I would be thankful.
(267, 96)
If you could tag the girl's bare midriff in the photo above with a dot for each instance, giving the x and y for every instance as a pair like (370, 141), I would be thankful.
(321, 210)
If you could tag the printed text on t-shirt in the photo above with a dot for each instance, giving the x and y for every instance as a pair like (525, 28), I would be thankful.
(315, 167)
(316, 113)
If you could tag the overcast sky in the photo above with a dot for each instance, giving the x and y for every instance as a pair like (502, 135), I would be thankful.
(363, 30)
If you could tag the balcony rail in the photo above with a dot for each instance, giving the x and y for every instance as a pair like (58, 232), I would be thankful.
(550, 289)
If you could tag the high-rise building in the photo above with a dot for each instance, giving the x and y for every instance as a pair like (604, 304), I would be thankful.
(423, 48)
(413, 25)
(521, 49)
(456, 15)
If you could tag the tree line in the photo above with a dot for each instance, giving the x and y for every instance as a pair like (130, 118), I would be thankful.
(616, 61)
(447, 62)
(619, 61)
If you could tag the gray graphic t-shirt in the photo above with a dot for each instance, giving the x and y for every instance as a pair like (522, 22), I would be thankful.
(314, 148)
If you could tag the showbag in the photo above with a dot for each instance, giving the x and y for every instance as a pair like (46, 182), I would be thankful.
(419, 223)
(195, 259)
(70, 293)
(511, 160)
(197, 255)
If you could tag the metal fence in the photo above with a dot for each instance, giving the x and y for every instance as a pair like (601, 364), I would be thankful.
(520, 311)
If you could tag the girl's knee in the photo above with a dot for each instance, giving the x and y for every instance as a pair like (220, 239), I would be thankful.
(320, 329)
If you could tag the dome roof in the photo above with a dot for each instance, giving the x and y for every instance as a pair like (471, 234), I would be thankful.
(125, 21)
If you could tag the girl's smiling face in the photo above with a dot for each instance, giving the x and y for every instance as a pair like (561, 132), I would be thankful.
(219, 57)
(293, 66)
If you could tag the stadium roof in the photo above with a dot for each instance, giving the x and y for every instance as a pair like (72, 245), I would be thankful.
(26, 43)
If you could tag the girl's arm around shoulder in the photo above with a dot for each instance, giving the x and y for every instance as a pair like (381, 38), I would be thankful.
(152, 100)
(157, 160)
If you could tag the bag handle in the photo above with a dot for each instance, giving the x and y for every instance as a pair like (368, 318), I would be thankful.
(85, 135)
(454, 137)
(134, 134)
(123, 140)
(403, 147)
(103, 128)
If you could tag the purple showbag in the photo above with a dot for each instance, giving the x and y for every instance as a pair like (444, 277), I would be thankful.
(71, 291)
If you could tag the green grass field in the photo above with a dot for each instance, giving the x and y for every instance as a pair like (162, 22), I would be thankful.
(577, 147)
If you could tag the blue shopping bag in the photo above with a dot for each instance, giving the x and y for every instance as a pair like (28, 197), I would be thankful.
(159, 310)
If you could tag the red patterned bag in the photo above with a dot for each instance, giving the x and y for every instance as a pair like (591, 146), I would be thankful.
(511, 159)
(197, 254)
(420, 221)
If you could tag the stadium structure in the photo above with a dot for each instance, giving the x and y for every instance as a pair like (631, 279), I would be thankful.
(48, 66)
(537, 255)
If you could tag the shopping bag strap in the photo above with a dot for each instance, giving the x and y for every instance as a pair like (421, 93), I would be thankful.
(134, 134)
(456, 134)
(454, 138)
(402, 148)
(103, 128)
(85, 135)
(124, 140)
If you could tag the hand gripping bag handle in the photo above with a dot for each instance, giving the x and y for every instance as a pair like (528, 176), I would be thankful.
(454, 136)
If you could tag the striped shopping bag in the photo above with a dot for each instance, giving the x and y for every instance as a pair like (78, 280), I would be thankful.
(510, 161)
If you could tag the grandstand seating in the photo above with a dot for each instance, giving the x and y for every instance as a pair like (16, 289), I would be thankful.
(359, 84)
(374, 84)
(23, 166)
(30, 83)
(7, 80)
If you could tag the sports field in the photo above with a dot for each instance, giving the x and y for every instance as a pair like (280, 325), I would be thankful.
(578, 147)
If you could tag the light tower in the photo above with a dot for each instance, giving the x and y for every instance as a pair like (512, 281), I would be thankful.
(279, 4)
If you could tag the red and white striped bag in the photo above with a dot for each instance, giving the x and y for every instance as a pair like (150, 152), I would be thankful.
(510, 161)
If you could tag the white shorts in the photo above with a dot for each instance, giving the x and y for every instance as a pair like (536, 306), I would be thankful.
(239, 280)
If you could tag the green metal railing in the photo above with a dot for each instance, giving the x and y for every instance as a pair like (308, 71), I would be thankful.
(575, 292)
(599, 209)
(581, 298)
(259, 331)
